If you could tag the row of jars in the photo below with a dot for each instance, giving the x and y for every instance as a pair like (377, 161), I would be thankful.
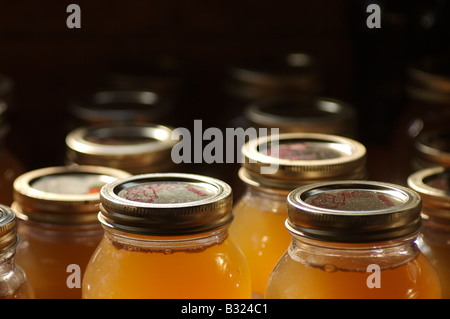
(316, 228)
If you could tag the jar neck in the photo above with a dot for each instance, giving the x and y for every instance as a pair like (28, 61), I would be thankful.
(7, 259)
(353, 256)
(165, 244)
(266, 193)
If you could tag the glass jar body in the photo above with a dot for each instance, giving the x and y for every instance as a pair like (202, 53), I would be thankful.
(258, 229)
(127, 266)
(14, 283)
(314, 269)
(434, 242)
(55, 257)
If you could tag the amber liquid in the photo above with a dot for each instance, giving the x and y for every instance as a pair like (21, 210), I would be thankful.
(45, 255)
(122, 271)
(439, 256)
(292, 279)
(258, 229)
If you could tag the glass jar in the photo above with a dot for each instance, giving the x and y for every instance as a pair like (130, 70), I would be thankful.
(297, 113)
(14, 283)
(302, 159)
(353, 239)
(118, 106)
(166, 236)
(57, 211)
(433, 185)
(137, 148)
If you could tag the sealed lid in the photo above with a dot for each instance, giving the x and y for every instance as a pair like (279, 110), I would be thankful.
(63, 194)
(119, 106)
(143, 148)
(166, 204)
(301, 158)
(353, 211)
(432, 149)
(297, 113)
(8, 229)
(433, 186)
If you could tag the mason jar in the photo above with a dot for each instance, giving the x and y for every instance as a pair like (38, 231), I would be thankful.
(353, 239)
(432, 184)
(57, 211)
(166, 236)
(14, 283)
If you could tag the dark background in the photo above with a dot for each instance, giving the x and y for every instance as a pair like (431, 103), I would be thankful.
(51, 64)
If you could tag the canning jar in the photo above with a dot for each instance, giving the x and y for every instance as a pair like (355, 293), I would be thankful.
(137, 148)
(300, 159)
(166, 236)
(431, 148)
(14, 283)
(433, 186)
(353, 239)
(57, 211)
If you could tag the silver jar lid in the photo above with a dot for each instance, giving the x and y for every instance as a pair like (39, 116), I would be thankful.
(137, 149)
(166, 204)
(8, 228)
(433, 186)
(302, 158)
(298, 113)
(62, 194)
(354, 211)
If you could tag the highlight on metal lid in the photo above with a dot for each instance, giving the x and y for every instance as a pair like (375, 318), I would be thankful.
(166, 204)
(136, 148)
(433, 186)
(302, 158)
(62, 194)
(354, 211)
(300, 113)
(8, 228)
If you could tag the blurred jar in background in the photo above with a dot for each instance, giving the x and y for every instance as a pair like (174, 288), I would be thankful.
(298, 113)
(428, 108)
(353, 240)
(302, 159)
(14, 283)
(258, 77)
(433, 186)
(118, 106)
(138, 148)
(57, 210)
(10, 165)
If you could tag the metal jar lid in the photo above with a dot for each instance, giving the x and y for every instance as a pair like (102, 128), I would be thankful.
(62, 194)
(137, 149)
(353, 211)
(432, 148)
(433, 186)
(166, 204)
(8, 229)
(298, 113)
(119, 106)
(302, 158)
